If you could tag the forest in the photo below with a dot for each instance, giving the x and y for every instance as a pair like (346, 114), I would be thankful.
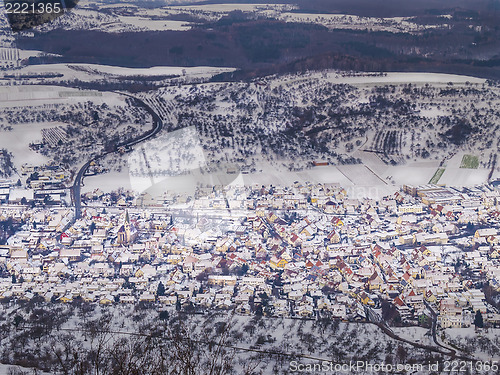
(266, 46)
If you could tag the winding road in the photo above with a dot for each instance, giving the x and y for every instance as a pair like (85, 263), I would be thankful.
(440, 349)
(158, 125)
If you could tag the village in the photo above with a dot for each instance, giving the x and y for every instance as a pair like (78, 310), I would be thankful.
(305, 251)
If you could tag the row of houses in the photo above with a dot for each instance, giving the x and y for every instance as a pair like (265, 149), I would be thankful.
(331, 250)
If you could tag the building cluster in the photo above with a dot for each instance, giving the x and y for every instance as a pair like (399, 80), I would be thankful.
(40, 185)
(308, 251)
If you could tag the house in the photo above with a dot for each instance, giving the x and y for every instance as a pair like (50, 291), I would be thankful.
(333, 237)
(67, 298)
(401, 306)
(375, 281)
(73, 255)
(221, 280)
(305, 311)
(243, 309)
(147, 297)
(106, 300)
(450, 315)
(276, 263)
(365, 299)
(18, 254)
(127, 299)
(324, 304)
(167, 300)
(252, 281)
(485, 232)
(338, 311)
(147, 271)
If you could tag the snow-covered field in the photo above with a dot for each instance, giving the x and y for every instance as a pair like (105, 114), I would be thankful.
(187, 183)
(374, 178)
(227, 8)
(35, 96)
(18, 139)
(306, 341)
(412, 175)
(213, 12)
(26, 110)
(129, 17)
(270, 175)
(415, 334)
(6, 370)
(92, 72)
(352, 22)
(170, 154)
(392, 78)
(154, 71)
(456, 176)
(484, 345)
(464, 177)
(156, 25)
(107, 182)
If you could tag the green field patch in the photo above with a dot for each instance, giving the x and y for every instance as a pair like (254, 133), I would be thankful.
(470, 162)
(437, 176)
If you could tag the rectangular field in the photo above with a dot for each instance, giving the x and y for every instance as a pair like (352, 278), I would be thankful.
(470, 162)
(437, 176)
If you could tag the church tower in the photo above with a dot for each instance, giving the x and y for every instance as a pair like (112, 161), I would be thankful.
(125, 231)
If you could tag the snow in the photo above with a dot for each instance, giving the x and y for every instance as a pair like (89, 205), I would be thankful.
(170, 154)
(412, 175)
(434, 112)
(360, 174)
(456, 176)
(464, 177)
(156, 25)
(18, 139)
(154, 71)
(496, 174)
(187, 182)
(394, 78)
(346, 21)
(19, 96)
(463, 335)
(107, 182)
(414, 334)
(224, 8)
(161, 162)
(91, 72)
(4, 369)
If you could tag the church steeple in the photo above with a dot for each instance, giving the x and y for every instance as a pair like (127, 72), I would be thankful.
(126, 232)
